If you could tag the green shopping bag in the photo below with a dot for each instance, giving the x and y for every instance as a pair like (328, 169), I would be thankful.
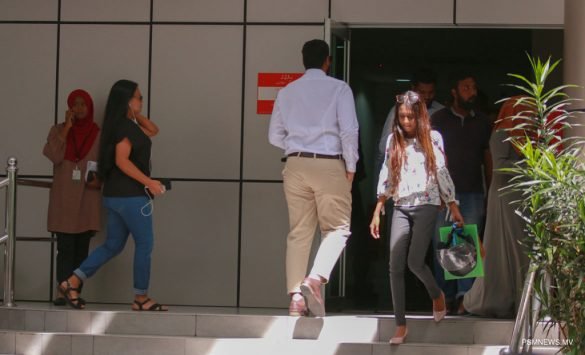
(459, 252)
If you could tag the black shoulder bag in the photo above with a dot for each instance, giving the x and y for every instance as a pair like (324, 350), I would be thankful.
(458, 255)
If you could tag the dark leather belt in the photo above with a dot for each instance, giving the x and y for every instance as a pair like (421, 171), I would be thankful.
(315, 155)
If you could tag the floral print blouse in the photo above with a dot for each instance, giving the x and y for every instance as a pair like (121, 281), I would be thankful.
(415, 188)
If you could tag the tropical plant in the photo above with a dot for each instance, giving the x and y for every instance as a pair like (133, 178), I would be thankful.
(551, 180)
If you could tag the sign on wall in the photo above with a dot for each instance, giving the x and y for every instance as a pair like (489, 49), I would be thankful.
(268, 86)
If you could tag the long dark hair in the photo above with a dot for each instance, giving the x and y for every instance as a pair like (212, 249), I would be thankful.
(423, 136)
(116, 111)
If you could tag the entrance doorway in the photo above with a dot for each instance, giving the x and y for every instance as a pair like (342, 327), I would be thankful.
(382, 63)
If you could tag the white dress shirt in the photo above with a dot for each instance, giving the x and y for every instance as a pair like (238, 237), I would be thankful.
(316, 114)
(415, 187)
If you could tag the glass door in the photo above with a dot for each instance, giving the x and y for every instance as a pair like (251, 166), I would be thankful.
(337, 36)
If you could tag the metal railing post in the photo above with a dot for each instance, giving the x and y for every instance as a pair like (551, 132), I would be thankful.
(522, 324)
(10, 249)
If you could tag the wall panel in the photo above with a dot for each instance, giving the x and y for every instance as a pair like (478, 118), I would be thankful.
(405, 12)
(105, 10)
(116, 52)
(194, 261)
(504, 12)
(27, 89)
(262, 160)
(197, 95)
(264, 231)
(287, 11)
(200, 10)
(29, 10)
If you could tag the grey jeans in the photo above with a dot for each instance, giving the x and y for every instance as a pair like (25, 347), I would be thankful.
(411, 233)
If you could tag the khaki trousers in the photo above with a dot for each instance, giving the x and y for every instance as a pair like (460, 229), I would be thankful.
(317, 192)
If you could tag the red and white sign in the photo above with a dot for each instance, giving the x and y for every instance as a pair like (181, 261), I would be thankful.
(268, 86)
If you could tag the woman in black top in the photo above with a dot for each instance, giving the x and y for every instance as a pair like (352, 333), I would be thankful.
(124, 166)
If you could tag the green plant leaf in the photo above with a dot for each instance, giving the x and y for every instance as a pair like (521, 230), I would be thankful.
(550, 180)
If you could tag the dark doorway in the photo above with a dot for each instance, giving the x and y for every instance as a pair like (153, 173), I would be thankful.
(382, 63)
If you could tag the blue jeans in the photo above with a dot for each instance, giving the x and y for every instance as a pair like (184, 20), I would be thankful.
(472, 209)
(124, 217)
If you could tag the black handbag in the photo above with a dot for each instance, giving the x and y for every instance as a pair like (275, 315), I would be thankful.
(457, 255)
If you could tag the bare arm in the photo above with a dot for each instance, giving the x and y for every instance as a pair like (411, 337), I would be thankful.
(375, 224)
(123, 162)
(455, 213)
(147, 126)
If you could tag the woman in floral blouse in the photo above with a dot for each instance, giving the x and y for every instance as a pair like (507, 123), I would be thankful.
(415, 176)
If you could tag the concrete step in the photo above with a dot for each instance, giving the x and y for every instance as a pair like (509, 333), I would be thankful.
(214, 324)
(37, 343)
(101, 329)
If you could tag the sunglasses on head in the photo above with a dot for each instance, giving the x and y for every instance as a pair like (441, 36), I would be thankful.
(410, 97)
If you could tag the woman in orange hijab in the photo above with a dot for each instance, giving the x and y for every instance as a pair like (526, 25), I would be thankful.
(74, 203)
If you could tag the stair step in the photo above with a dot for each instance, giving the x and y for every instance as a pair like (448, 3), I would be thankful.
(338, 328)
(38, 328)
(31, 343)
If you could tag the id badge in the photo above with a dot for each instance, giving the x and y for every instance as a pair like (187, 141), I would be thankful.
(76, 176)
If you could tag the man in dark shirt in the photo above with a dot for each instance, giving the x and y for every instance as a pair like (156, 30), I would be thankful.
(466, 133)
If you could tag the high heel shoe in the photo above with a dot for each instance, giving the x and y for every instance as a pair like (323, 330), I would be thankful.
(439, 315)
(398, 340)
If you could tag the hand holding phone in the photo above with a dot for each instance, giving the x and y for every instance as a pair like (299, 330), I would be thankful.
(155, 188)
(166, 183)
(69, 118)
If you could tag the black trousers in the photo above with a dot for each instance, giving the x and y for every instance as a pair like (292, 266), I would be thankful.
(411, 235)
(72, 249)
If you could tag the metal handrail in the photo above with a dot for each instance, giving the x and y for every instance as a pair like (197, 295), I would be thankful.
(528, 311)
(528, 314)
(34, 183)
(9, 239)
(36, 239)
(523, 325)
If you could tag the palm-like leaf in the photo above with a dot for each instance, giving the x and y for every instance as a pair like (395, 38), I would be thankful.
(551, 182)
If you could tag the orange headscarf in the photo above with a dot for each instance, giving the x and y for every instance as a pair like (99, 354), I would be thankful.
(509, 109)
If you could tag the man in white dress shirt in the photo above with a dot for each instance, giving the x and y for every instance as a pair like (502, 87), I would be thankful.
(315, 123)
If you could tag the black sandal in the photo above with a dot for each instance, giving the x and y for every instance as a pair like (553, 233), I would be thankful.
(77, 303)
(157, 307)
(60, 301)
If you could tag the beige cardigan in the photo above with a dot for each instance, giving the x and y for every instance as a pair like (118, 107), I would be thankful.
(73, 208)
